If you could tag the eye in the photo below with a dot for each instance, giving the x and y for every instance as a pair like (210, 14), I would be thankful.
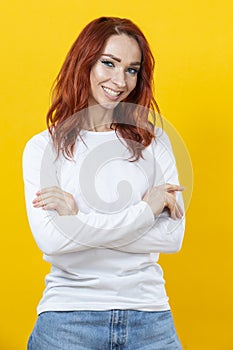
(132, 71)
(107, 63)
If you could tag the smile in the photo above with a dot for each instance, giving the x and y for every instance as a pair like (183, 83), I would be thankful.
(111, 92)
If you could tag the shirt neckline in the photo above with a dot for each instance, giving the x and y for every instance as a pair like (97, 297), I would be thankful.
(89, 132)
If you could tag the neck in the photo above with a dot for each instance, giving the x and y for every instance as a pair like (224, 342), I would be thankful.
(99, 118)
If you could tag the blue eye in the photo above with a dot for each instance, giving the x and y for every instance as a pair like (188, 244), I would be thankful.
(132, 71)
(107, 63)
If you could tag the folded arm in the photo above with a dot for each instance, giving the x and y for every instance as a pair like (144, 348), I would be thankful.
(57, 234)
(166, 234)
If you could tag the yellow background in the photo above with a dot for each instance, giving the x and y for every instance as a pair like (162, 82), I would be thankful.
(192, 43)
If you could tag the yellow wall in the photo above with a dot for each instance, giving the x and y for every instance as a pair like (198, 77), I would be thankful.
(192, 43)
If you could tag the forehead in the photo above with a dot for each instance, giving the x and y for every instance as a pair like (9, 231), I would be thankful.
(124, 47)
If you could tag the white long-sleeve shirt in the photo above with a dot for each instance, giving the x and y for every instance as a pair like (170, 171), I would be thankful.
(106, 256)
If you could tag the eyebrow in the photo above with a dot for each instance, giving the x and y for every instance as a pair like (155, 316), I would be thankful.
(119, 60)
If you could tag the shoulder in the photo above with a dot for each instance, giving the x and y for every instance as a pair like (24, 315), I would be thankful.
(162, 138)
(36, 146)
(39, 139)
(162, 145)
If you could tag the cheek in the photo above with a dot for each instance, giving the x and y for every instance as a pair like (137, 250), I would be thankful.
(97, 75)
(132, 84)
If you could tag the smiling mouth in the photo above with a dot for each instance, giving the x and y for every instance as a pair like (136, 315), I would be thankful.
(111, 92)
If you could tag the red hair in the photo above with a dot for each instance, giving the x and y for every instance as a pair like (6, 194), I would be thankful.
(71, 89)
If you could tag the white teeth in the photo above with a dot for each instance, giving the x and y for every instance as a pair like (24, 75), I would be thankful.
(111, 92)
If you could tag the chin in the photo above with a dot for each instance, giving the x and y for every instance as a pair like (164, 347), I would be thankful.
(109, 105)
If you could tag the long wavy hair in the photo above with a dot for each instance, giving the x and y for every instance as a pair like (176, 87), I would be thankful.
(70, 90)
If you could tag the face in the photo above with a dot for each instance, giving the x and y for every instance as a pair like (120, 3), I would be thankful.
(114, 75)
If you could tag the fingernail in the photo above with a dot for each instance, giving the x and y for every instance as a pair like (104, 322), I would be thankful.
(181, 188)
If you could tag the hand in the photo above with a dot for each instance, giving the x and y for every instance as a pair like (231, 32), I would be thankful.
(55, 198)
(163, 196)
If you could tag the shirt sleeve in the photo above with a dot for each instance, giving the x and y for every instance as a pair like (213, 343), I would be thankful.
(166, 234)
(56, 234)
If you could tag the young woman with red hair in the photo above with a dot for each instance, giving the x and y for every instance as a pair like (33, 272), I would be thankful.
(103, 199)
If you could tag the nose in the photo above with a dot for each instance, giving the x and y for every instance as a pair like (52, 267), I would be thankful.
(119, 78)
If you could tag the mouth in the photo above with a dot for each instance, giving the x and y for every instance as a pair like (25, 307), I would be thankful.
(111, 92)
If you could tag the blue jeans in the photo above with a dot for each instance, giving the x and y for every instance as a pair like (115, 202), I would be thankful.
(104, 330)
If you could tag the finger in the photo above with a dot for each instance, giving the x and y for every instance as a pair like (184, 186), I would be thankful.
(49, 197)
(177, 213)
(50, 206)
(53, 189)
(173, 213)
(173, 206)
(170, 203)
(51, 203)
(42, 202)
(179, 210)
(171, 187)
(38, 204)
(57, 195)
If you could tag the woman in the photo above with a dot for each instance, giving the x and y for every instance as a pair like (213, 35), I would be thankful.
(103, 199)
